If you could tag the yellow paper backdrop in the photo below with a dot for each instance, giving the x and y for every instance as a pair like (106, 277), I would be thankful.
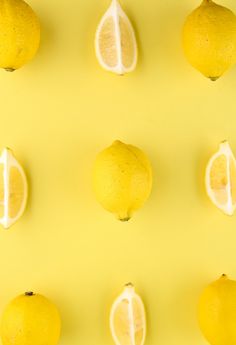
(56, 114)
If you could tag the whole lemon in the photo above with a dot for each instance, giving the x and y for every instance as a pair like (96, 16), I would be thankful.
(209, 39)
(30, 319)
(122, 179)
(217, 312)
(19, 34)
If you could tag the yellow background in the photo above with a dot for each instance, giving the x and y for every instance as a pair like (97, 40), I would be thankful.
(57, 113)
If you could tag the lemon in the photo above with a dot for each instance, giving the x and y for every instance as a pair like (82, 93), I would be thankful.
(217, 312)
(13, 189)
(127, 318)
(122, 179)
(19, 34)
(30, 319)
(115, 42)
(221, 179)
(209, 39)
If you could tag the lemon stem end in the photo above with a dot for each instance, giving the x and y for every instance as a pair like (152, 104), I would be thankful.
(129, 285)
(9, 69)
(126, 219)
(212, 78)
(224, 276)
(29, 293)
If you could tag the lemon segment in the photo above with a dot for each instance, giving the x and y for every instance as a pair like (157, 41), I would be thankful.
(16, 191)
(115, 42)
(127, 318)
(209, 39)
(221, 179)
(108, 44)
(122, 179)
(1, 190)
(13, 189)
(217, 312)
(127, 46)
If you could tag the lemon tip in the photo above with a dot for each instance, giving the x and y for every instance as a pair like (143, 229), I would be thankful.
(29, 293)
(213, 78)
(117, 142)
(126, 219)
(9, 69)
(129, 284)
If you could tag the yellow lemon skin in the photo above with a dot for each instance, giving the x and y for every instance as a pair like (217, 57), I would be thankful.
(19, 34)
(209, 39)
(30, 319)
(217, 312)
(122, 179)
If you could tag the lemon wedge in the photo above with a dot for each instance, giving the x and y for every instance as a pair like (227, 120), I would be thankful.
(127, 318)
(115, 41)
(13, 189)
(221, 179)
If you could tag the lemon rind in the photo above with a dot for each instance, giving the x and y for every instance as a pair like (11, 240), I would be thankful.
(225, 150)
(8, 160)
(115, 11)
(129, 294)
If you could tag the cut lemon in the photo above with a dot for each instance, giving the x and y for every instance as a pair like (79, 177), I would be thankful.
(13, 189)
(115, 41)
(221, 179)
(127, 318)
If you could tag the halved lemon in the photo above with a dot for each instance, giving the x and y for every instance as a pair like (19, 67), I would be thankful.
(13, 189)
(127, 318)
(221, 179)
(115, 41)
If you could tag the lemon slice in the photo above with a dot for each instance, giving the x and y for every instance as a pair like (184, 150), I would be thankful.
(127, 318)
(115, 41)
(221, 179)
(13, 189)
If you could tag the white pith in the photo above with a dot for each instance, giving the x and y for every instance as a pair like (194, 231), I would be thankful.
(225, 150)
(128, 294)
(115, 11)
(8, 161)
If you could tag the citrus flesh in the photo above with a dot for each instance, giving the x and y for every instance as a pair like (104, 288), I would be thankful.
(13, 189)
(115, 42)
(221, 179)
(127, 318)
